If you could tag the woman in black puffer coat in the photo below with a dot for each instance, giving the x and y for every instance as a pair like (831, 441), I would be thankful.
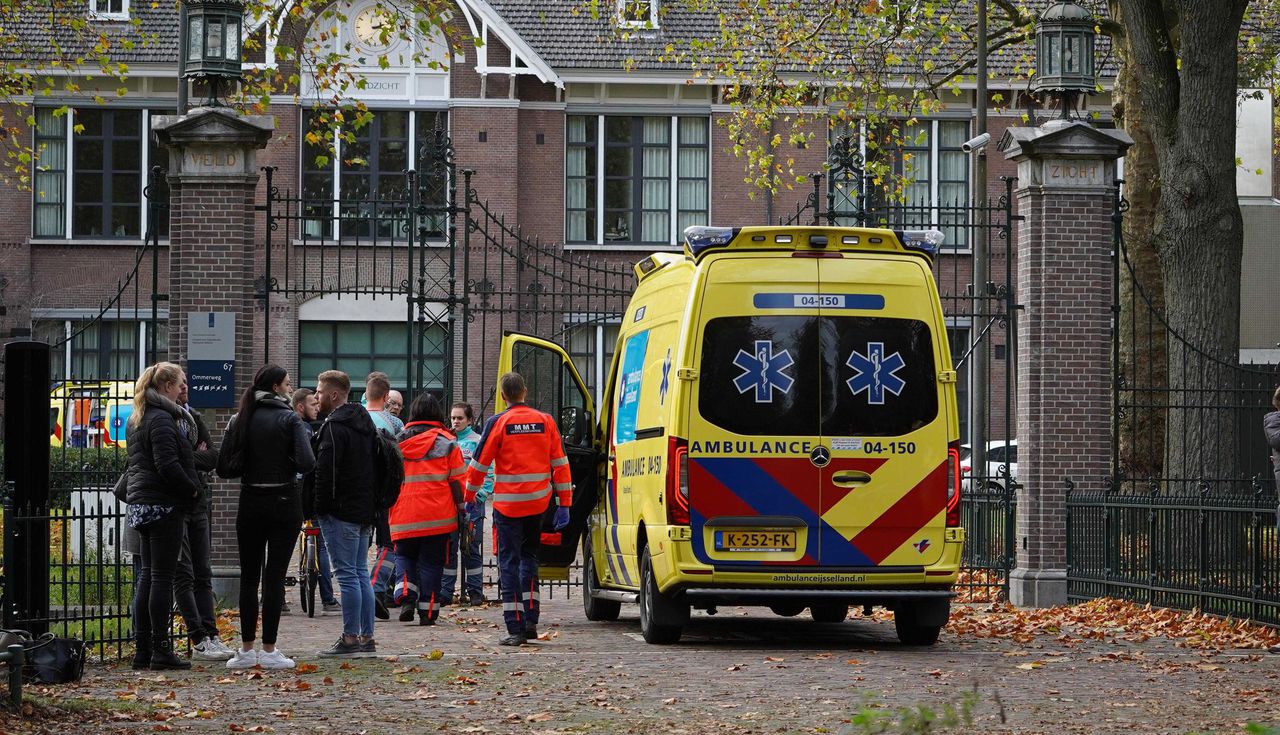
(267, 446)
(162, 487)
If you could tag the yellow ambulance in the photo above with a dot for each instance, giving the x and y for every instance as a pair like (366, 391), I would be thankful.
(779, 429)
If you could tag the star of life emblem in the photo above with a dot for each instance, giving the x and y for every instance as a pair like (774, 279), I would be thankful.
(763, 371)
(876, 373)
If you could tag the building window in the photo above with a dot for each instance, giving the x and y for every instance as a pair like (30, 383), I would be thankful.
(590, 345)
(927, 158)
(958, 338)
(635, 180)
(90, 173)
(638, 13)
(87, 351)
(361, 182)
(109, 9)
(359, 348)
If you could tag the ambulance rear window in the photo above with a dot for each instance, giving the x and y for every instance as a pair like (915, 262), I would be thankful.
(817, 375)
(878, 376)
(759, 375)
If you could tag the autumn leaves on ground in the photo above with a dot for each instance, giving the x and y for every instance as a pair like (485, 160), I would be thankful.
(1101, 666)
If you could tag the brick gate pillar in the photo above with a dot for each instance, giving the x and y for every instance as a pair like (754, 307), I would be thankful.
(1066, 175)
(213, 179)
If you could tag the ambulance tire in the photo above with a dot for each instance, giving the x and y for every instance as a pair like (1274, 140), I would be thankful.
(662, 619)
(787, 610)
(917, 624)
(594, 608)
(829, 612)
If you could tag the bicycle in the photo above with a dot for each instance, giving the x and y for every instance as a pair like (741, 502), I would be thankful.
(308, 566)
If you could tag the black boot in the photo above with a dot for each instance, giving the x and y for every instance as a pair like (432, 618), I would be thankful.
(162, 657)
(142, 656)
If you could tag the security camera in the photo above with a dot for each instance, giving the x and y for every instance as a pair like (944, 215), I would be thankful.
(976, 144)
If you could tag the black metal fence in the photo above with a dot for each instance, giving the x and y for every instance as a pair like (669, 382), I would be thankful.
(62, 523)
(1189, 519)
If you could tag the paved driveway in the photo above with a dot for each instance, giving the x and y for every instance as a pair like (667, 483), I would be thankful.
(741, 671)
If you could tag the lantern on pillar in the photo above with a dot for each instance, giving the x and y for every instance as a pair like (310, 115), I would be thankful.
(1064, 54)
(212, 43)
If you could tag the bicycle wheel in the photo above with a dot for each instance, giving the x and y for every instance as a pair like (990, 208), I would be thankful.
(302, 572)
(310, 577)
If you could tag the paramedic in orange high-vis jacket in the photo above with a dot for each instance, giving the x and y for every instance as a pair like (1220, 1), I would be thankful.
(524, 448)
(427, 511)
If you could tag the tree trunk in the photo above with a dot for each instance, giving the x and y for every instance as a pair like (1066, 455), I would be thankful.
(1188, 95)
(1143, 367)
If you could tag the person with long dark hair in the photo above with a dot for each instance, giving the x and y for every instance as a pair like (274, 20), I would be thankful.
(426, 513)
(162, 487)
(267, 446)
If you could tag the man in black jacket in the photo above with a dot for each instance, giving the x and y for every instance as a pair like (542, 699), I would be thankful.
(193, 580)
(344, 499)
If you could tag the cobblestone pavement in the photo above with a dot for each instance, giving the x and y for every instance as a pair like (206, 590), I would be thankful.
(740, 671)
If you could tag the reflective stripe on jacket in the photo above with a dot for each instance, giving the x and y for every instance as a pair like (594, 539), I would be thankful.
(426, 506)
(523, 447)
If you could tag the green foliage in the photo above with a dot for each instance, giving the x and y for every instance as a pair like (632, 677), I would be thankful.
(75, 469)
(1254, 728)
(791, 67)
(915, 720)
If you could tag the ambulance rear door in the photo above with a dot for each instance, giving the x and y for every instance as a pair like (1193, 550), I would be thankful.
(753, 415)
(556, 388)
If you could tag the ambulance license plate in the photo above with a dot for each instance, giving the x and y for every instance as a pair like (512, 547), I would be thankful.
(755, 540)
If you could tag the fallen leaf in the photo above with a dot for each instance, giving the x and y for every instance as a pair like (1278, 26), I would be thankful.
(1031, 665)
(306, 668)
(328, 680)
(346, 665)
(671, 700)
(539, 717)
(435, 655)
(773, 659)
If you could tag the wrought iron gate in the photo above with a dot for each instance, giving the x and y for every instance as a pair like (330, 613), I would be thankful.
(981, 321)
(66, 566)
(1190, 518)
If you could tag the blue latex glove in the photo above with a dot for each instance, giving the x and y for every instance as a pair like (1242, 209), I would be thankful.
(562, 518)
(469, 508)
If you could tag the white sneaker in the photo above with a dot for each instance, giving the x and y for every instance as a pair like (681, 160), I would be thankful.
(242, 659)
(208, 650)
(275, 660)
(223, 647)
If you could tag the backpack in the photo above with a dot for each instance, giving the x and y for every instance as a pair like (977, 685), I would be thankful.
(389, 466)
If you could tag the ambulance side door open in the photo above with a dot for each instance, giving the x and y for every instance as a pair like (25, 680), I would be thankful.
(556, 388)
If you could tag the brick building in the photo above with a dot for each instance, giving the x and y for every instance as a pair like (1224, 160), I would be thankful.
(580, 136)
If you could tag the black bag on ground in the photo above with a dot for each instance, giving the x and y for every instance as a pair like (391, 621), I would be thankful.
(49, 659)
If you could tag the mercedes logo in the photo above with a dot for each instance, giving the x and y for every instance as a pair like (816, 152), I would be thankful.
(820, 456)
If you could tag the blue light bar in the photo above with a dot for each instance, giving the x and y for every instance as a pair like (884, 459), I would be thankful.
(700, 237)
(928, 242)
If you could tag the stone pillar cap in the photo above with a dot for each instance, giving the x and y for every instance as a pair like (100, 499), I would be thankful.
(213, 126)
(1075, 139)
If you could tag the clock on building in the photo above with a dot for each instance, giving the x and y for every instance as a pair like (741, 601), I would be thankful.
(368, 27)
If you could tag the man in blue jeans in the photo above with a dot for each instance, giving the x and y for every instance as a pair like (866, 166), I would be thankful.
(306, 404)
(344, 498)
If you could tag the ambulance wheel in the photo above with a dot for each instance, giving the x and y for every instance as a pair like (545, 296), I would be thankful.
(829, 612)
(787, 610)
(918, 624)
(662, 619)
(594, 608)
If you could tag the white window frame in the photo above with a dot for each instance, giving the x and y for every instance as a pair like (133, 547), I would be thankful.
(68, 201)
(582, 321)
(934, 177)
(96, 14)
(624, 22)
(335, 167)
(67, 320)
(675, 236)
